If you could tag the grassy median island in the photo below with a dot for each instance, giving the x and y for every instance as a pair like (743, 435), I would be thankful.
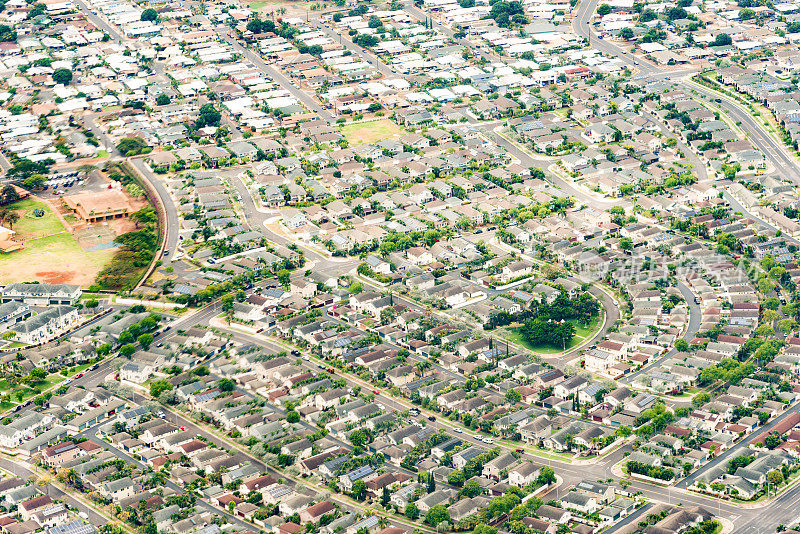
(50, 254)
(370, 132)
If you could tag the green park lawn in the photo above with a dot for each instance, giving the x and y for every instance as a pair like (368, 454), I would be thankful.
(27, 392)
(370, 132)
(582, 333)
(29, 226)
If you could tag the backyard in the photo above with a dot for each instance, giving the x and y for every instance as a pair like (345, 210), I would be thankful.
(370, 132)
(50, 254)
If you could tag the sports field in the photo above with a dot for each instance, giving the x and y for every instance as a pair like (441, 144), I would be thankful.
(50, 254)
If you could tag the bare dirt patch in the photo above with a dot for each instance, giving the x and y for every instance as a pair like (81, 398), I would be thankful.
(56, 277)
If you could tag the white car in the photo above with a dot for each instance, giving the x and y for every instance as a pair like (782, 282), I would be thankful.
(488, 440)
(457, 430)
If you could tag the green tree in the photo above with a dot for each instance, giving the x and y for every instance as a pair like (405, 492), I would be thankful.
(482, 528)
(62, 76)
(775, 477)
(722, 39)
(132, 146)
(603, 10)
(358, 438)
(145, 340)
(513, 396)
(35, 181)
(8, 195)
(292, 416)
(356, 287)
(456, 478)
(471, 488)
(226, 384)
(546, 476)
(127, 350)
(700, 399)
(412, 511)
(163, 100)
(436, 515)
(158, 387)
(359, 490)
(746, 14)
(208, 116)
(149, 14)
(626, 33)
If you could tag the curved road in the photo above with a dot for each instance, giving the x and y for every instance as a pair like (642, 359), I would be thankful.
(695, 320)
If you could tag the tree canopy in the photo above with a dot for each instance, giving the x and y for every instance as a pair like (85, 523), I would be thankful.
(62, 76)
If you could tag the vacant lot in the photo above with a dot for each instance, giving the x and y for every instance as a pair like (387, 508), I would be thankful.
(51, 254)
(370, 132)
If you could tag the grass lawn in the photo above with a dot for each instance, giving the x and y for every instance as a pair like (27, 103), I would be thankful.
(370, 132)
(102, 153)
(27, 393)
(582, 333)
(30, 226)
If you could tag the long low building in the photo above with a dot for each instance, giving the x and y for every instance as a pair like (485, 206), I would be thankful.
(41, 294)
(94, 416)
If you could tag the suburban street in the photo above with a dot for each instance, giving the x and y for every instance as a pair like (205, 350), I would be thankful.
(324, 178)
(784, 163)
